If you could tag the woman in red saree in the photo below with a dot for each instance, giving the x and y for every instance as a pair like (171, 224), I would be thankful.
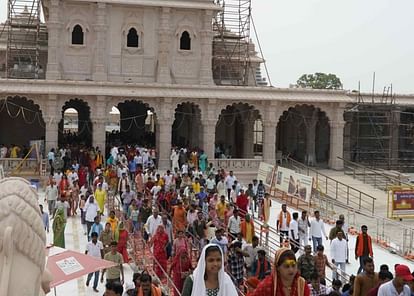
(284, 280)
(121, 236)
(65, 193)
(159, 242)
(181, 268)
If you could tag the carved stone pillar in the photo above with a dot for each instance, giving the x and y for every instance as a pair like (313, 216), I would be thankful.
(53, 28)
(209, 136)
(310, 138)
(209, 121)
(99, 71)
(336, 144)
(271, 116)
(248, 138)
(99, 124)
(269, 141)
(51, 117)
(206, 73)
(163, 133)
(164, 44)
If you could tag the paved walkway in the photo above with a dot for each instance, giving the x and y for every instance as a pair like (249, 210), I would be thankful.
(76, 240)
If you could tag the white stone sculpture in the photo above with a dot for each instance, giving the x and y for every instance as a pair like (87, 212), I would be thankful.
(22, 239)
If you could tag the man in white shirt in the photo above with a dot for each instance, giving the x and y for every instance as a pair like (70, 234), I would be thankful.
(3, 153)
(251, 251)
(221, 241)
(153, 222)
(211, 184)
(94, 248)
(91, 211)
(168, 180)
(399, 285)
(294, 233)
(184, 168)
(234, 224)
(317, 228)
(338, 254)
(303, 225)
(51, 195)
(229, 181)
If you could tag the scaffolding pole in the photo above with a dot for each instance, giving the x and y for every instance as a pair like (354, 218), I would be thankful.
(231, 45)
(23, 29)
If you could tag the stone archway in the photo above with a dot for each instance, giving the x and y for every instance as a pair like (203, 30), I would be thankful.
(186, 129)
(83, 136)
(137, 123)
(235, 131)
(21, 122)
(303, 133)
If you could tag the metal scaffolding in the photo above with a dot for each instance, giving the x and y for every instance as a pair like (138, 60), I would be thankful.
(379, 133)
(23, 32)
(232, 44)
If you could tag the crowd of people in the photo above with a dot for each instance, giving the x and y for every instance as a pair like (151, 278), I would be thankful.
(13, 151)
(197, 212)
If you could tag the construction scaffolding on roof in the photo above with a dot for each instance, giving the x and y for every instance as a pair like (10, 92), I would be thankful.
(379, 133)
(235, 61)
(24, 36)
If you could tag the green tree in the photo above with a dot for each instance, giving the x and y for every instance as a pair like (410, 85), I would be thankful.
(320, 81)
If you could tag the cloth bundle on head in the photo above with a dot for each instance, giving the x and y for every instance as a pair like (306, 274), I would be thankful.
(226, 286)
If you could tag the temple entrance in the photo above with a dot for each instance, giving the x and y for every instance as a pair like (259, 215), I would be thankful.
(75, 128)
(21, 123)
(235, 132)
(303, 133)
(137, 124)
(187, 128)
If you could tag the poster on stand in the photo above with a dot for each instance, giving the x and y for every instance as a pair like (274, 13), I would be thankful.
(403, 202)
(292, 183)
(265, 173)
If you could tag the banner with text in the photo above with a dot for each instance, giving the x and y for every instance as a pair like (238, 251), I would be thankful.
(292, 183)
(403, 202)
(265, 173)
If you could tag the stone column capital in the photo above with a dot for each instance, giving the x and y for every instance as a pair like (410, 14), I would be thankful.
(337, 124)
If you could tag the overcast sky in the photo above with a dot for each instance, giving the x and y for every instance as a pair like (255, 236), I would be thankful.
(350, 38)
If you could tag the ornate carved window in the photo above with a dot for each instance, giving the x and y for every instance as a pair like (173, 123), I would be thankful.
(132, 38)
(77, 35)
(185, 41)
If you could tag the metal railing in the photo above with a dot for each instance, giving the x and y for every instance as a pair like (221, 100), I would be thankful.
(340, 192)
(10, 164)
(392, 235)
(376, 177)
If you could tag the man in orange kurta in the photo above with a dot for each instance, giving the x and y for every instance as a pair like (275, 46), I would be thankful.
(179, 217)
(247, 229)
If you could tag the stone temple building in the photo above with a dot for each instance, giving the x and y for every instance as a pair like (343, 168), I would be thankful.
(176, 73)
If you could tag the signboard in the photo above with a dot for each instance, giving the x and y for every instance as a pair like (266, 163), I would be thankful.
(265, 173)
(292, 183)
(69, 265)
(403, 202)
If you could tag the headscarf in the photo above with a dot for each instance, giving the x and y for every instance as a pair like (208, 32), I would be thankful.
(226, 286)
(160, 229)
(119, 228)
(298, 282)
(177, 258)
(60, 214)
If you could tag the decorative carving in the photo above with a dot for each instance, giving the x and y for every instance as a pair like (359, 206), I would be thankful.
(22, 239)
